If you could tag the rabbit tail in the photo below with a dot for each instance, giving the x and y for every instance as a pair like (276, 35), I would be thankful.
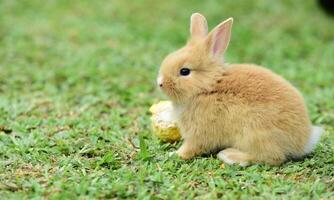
(314, 138)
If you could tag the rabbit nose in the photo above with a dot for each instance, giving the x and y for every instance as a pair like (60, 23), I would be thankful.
(160, 81)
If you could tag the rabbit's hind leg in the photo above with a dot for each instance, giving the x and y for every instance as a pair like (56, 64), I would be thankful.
(234, 156)
(257, 148)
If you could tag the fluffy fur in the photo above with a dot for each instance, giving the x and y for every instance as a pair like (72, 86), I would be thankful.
(253, 114)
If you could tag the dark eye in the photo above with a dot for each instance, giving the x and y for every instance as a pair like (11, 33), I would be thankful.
(184, 72)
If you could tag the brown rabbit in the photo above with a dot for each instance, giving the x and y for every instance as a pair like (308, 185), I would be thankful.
(253, 114)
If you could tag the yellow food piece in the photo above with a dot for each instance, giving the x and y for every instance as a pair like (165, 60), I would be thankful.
(163, 124)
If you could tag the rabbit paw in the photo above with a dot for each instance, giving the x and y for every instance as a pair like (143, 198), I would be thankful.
(186, 151)
(186, 155)
(233, 156)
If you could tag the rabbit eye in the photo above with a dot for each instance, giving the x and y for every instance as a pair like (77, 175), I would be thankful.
(184, 71)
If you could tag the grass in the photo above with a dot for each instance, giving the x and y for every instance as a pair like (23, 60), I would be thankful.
(77, 79)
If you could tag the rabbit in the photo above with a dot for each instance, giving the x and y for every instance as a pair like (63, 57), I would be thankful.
(247, 112)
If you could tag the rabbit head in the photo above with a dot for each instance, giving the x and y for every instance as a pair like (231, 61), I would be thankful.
(192, 69)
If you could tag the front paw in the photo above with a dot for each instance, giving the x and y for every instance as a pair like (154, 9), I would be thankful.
(185, 154)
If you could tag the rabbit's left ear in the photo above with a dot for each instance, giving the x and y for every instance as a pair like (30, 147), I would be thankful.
(219, 38)
(198, 26)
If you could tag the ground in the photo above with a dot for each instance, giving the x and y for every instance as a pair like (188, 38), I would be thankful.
(77, 79)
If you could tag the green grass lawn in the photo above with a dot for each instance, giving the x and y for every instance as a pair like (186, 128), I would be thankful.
(77, 79)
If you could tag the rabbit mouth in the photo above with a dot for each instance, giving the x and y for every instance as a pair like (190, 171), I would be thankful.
(170, 89)
(173, 93)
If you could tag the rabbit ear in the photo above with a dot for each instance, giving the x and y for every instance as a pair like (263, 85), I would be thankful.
(218, 39)
(198, 25)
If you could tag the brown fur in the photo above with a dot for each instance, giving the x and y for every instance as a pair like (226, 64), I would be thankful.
(255, 113)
